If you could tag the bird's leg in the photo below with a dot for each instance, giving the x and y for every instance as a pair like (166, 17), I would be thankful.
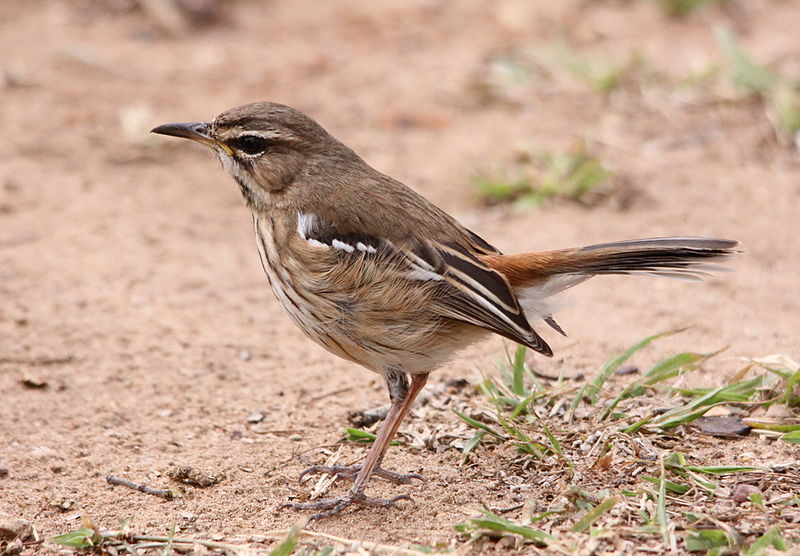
(402, 396)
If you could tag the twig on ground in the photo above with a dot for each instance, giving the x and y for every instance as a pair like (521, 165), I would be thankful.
(324, 395)
(162, 493)
(508, 509)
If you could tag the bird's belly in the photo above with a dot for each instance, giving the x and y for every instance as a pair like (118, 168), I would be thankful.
(363, 322)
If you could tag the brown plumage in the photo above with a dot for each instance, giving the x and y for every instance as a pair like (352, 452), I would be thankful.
(378, 275)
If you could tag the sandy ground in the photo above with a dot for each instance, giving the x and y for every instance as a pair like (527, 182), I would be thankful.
(130, 285)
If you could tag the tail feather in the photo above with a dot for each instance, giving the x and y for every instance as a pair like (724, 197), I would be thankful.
(537, 277)
(684, 258)
(672, 257)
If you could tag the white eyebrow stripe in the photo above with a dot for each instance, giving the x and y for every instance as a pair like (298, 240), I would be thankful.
(264, 134)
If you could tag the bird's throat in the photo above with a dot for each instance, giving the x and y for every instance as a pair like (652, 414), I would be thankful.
(256, 196)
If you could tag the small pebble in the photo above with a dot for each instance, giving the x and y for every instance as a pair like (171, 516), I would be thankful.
(723, 426)
(627, 370)
(742, 493)
(244, 354)
(367, 417)
(256, 417)
(14, 528)
(34, 383)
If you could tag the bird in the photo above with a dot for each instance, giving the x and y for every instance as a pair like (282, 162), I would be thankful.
(378, 275)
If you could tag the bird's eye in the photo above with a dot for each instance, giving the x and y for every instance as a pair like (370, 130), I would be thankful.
(250, 144)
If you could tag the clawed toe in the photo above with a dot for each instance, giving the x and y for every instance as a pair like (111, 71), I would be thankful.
(350, 473)
(332, 506)
(398, 478)
(342, 471)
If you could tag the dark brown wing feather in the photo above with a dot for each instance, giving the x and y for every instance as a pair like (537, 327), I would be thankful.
(467, 290)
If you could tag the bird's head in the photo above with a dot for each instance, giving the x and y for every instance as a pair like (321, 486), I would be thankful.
(265, 146)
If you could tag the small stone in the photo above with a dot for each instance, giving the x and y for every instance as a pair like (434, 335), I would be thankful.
(723, 426)
(256, 417)
(14, 528)
(742, 493)
(455, 385)
(62, 504)
(195, 477)
(779, 411)
(33, 382)
(367, 417)
(42, 452)
(244, 354)
(13, 548)
(627, 370)
(505, 544)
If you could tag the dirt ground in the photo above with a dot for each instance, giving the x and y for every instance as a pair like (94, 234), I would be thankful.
(130, 287)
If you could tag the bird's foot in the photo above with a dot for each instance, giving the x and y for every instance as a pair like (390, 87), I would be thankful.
(350, 472)
(332, 506)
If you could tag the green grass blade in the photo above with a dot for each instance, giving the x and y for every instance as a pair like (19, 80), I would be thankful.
(518, 369)
(357, 435)
(554, 443)
(771, 425)
(701, 481)
(671, 486)
(789, 398)
(494, 522)
(594, 514)
(770, 538)
(84, 537)
(792, 437)
(706, 540)
(738, 392)
(634, 428)
(520, 407)
(286, 548)
(473, 443)
(723, 469)
(746, 73)
(661, 371)
(477, 424)
(592, 390)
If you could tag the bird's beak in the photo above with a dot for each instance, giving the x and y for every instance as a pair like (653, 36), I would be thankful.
(196, 131)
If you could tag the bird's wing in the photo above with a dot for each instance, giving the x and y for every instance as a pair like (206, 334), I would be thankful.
(466, 289)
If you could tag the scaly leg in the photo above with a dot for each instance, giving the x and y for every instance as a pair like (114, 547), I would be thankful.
(402, 396)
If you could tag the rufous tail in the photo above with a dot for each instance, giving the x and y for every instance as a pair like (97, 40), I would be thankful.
(537, 277)
(686, 258)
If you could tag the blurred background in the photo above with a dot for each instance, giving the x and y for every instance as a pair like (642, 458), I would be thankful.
(128, 276)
